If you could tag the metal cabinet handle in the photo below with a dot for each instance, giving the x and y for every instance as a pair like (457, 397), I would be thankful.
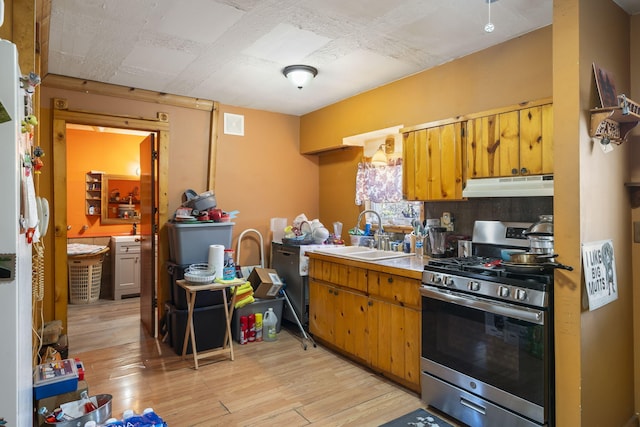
(473, 406)
(524, 171)
(390, 279)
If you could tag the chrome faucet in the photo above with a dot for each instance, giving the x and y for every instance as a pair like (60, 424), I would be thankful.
(380, 230)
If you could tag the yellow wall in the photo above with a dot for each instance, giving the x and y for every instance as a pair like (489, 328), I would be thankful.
(594, 352)
(634, 162)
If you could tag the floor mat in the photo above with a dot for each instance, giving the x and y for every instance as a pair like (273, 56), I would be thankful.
(418, 418)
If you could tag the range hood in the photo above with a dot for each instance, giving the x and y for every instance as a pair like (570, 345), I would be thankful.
(520, 186)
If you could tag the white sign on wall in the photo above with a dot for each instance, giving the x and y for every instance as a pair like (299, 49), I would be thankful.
(599, 266)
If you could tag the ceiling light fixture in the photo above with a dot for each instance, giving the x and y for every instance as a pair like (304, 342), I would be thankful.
(300, 75)
(489, 27)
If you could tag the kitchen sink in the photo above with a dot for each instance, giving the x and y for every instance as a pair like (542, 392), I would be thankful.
(361, 253)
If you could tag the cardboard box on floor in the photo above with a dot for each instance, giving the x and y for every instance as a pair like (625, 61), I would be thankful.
(265, 282)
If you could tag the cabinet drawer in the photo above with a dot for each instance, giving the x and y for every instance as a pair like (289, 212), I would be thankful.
(127, 248)
(403, 290)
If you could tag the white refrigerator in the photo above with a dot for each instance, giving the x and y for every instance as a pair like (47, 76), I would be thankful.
(16, 197)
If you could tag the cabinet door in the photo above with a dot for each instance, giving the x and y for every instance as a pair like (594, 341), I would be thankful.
(483, 143)
(433, 163)
(509, 144)
(395, 340)
(127, 277)
(321, 310)
(351, 333)
(512, 143)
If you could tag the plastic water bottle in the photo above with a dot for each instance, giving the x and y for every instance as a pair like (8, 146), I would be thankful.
(152, 419)
(131, 419)
(269, 324)
(114, 422)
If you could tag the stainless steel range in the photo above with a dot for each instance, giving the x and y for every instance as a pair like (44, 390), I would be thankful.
(487, 345)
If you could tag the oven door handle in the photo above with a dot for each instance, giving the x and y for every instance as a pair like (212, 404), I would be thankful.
(525, 314)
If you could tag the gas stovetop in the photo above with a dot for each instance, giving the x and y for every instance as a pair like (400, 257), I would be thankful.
(483, 273)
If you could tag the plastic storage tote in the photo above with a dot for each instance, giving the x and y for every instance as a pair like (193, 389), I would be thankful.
(208, 323)
(189, 243)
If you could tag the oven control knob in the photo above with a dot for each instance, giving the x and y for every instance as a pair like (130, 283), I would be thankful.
(447, 281)
(473, 286)
(435, 278)
(521, 294)
(503, 291)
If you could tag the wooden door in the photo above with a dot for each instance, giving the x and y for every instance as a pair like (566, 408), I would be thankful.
(148, 232)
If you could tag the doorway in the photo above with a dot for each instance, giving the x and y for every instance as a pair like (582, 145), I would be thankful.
(160, 128)
(104, 209)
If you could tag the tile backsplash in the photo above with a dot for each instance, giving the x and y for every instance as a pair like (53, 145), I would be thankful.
(520, 209)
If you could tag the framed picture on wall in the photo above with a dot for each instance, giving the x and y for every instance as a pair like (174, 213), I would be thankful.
(606, 87)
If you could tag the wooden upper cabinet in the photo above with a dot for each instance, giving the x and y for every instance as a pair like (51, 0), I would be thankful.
(511, 143)
(433, 163)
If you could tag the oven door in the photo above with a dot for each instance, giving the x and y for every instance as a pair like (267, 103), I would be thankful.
(494, 350)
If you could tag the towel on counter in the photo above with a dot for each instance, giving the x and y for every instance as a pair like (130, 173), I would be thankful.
(304, 260)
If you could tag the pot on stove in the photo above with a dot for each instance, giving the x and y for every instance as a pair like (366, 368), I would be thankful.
(540, 235)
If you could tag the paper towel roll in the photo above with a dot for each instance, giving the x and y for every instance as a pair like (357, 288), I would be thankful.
(216, 259)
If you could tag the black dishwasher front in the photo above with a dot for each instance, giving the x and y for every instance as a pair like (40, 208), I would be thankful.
(285, 260)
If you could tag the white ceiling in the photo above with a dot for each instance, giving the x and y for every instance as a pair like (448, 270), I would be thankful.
(233, 51)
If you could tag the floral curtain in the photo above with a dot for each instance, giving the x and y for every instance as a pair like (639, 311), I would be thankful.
(378, 183)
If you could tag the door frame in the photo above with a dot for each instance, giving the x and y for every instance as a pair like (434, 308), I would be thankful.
(61, 116)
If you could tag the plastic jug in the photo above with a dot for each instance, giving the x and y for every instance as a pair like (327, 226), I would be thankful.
(269, 325)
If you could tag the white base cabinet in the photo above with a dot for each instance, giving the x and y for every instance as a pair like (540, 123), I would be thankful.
(126, 267)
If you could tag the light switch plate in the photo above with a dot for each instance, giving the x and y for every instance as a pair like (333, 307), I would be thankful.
(636, 232)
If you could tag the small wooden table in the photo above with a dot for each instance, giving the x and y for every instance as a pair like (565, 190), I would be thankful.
(191, 291)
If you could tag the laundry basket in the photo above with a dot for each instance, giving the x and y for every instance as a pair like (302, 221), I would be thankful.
(85, 276)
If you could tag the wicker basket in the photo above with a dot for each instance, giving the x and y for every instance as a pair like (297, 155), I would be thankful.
(85, 277)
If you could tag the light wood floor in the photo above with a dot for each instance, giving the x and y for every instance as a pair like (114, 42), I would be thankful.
(268, 383)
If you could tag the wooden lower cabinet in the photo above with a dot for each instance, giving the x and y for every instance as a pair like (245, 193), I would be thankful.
(372, 317)
(339, 317)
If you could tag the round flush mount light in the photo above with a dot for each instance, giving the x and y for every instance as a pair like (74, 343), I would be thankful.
(300, 75)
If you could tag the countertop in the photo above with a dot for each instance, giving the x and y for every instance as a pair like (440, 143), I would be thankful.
(408, 266)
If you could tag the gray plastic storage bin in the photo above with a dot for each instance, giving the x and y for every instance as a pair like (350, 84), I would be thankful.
(189, 243)
(258, 306)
